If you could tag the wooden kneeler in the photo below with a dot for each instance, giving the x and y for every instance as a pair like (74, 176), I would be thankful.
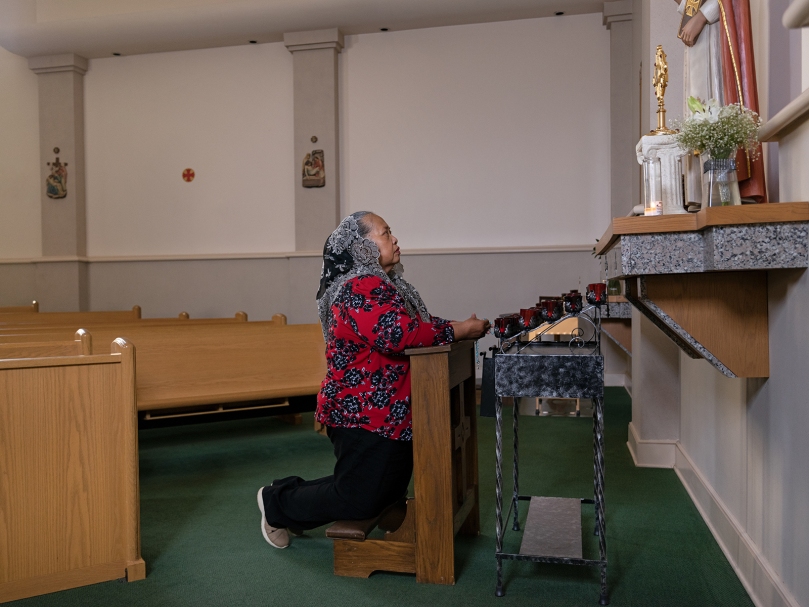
(357, 556)
(445, 477)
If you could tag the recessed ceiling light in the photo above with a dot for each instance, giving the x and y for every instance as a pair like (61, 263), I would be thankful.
(116, 54)
(383, 29)
(560, 13)
(254, 42)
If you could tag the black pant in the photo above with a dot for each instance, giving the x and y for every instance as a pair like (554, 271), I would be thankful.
(371, 473)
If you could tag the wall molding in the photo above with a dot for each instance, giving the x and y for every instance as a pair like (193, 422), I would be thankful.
(574, 248)
(650, 453)
(761, 582)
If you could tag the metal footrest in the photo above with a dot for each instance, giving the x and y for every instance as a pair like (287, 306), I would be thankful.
(553, 528)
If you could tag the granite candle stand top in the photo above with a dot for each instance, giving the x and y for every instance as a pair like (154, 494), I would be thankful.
(747, 237)
(549, 370)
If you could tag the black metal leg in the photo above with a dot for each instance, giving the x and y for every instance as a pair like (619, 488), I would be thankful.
(515, 500)
(498, 492)
(595, 467)
(599, 476)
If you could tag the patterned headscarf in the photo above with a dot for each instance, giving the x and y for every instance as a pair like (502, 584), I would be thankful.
(347, 255)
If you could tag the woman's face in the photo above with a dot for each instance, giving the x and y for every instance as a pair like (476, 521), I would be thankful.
(385, 241)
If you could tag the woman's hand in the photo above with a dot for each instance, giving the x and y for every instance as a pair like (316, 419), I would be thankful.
(471, 328)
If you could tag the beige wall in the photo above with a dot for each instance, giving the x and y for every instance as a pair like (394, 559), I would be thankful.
(452, 285)
(447, 123)
(480, 135)
(20, 211)
(227, 114)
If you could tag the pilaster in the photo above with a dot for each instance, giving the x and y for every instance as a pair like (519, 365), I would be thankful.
(61, 146)
(314, 61)
(617, 18)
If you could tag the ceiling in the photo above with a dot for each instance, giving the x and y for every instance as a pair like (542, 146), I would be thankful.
(99, 28)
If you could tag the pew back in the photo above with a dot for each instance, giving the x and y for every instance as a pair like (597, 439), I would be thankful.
(75, 318)
(69, 505)
(182, 366)
(81, 346)
(18, 333)
(34, 307)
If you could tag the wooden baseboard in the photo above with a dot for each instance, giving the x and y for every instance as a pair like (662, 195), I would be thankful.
(762, 583)
(650, 453)
(28, 587)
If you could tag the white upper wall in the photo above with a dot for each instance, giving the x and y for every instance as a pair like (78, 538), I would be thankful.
(20, 204)
(225, 113)
(480, 135)
(467, 136)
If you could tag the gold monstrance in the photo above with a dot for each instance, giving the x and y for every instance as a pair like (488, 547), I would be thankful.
(660, 82)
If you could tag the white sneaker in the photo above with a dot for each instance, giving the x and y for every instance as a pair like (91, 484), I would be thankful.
(275, 536)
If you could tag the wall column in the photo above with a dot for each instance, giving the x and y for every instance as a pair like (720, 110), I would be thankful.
(623, 122)
(62, 286)
(655, 426)
(314, 63)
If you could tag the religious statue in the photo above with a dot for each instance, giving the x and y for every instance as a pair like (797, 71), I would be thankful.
(660, 82)
(719, 64)
(314, 170)
(56, 182)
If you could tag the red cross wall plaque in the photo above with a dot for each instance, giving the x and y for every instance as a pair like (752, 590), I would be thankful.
(188, 175)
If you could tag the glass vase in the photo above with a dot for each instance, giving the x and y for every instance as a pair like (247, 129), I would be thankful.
(652, 187)
(720, 186)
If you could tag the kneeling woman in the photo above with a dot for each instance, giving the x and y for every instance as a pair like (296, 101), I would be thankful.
(370, 315)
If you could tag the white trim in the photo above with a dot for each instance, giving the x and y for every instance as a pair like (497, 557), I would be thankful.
(761, 582)
(650, 453)
(574, 248)
(613, 380)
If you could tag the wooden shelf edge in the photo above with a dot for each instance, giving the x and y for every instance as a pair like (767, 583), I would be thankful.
(780, 212)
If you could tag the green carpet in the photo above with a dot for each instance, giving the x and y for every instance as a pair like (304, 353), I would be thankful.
(202, 544)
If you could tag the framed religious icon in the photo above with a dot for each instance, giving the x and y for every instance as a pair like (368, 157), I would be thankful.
(691, 9)
(314, 170)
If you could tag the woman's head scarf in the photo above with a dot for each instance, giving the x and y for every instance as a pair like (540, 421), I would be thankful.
(347, 255)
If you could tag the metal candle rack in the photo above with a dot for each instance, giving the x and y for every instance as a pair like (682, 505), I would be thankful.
(525, 366)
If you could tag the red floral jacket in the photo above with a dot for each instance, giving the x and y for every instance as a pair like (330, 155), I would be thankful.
(367, 383)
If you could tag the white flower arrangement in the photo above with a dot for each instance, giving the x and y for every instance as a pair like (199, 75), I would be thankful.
(719, 130)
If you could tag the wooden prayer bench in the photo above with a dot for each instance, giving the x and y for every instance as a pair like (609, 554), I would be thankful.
(34, 307)
(357, 556)
(69, 501)
(445, 477)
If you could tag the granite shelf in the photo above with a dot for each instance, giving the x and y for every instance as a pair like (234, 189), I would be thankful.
(702, 278)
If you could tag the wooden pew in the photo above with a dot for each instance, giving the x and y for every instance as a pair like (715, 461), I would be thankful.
(21, 332)
(76, 318)
(69, 502)
(34, 307)
(185, 366)
(81, 346)
(191, 369)
(247, 363)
